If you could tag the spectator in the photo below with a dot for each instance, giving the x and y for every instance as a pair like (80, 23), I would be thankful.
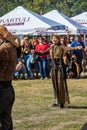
(17, 40)
(78, 53)
(26, 56)
(74, 68)
(19, 69)
(35, 65)
(42, 60)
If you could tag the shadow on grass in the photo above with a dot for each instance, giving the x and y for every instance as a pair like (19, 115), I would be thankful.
(84, 126)
(77, 107)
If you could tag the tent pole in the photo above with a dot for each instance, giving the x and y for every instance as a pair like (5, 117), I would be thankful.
(85, 39)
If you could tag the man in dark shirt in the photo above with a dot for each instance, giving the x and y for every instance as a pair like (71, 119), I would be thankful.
(79, 53)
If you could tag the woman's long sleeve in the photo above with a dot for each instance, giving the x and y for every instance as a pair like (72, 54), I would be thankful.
(69, 48)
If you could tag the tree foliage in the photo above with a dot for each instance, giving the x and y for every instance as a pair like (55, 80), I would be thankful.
(67, 7)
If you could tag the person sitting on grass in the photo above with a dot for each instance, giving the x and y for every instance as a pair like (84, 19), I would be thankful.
(20, 69)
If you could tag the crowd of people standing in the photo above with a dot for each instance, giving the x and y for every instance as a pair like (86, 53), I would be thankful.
(38, 66)
(30, 60)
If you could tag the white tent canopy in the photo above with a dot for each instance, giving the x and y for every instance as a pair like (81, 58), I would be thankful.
(81, 18)
(72, 26)
(23, 21)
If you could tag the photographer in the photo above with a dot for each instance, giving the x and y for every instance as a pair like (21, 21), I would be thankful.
(74, 68)
(79, 53)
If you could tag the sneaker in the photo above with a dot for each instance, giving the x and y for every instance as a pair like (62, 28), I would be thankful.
(41, 78)
(82, 75)
(46, 78)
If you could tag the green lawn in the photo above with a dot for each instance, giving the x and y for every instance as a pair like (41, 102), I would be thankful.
(32, 110)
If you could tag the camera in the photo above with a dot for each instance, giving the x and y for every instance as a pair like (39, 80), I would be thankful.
(73, 59)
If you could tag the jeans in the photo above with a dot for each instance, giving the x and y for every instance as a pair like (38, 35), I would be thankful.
(42, 62)
(18, 73)
(27, 58)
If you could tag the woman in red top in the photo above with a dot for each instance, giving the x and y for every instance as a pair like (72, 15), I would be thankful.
(42, 60)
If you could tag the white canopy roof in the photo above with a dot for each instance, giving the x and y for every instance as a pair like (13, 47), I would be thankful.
(81, 18)
(23, 21)
(72, 26)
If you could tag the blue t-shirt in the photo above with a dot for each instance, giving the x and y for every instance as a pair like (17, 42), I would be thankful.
(78, 53)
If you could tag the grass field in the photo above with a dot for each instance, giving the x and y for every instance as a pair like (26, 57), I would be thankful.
(32, 110)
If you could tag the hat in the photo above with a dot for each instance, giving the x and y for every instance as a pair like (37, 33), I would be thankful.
(7, 35)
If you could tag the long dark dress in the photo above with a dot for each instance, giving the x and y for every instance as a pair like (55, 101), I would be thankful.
(58, 72)
(58, 75)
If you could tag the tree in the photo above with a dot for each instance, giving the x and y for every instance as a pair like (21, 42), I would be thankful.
(67, 7)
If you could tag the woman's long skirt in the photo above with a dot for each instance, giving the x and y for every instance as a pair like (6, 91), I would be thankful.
(59, 85)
